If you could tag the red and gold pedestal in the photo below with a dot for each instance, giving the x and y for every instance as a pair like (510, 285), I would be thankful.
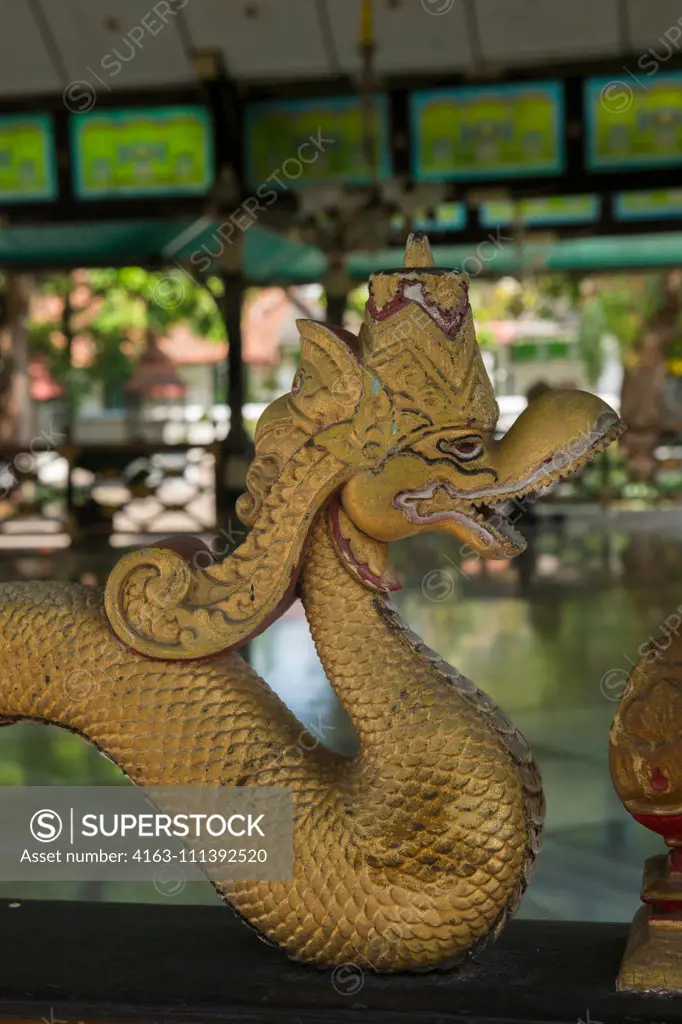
(653, 956)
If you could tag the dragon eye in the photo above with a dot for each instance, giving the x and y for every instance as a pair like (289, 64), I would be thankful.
(465, 448)
(298, 382)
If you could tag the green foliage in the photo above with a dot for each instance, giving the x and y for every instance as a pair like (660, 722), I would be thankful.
(593, 325)
(128, 304)
(357, 299)
(541, 297)
(110, 363)
(624, 306)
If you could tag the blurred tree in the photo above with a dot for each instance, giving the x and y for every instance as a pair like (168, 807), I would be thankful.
(644, 313)
(616, 305)
(15, 413)
(592, 328)
(115, 311)
(6, 364)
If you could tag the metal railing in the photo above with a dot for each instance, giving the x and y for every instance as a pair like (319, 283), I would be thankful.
(75, 493)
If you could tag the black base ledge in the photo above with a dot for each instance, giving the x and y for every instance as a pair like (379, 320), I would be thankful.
(94, 962)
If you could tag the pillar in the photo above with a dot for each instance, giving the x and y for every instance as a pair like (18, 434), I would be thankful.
(336, 308)
(236, 451)
(336, 284)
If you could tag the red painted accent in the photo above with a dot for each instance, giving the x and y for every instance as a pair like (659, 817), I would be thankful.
(347, 337)
(186, 546)
(192, 549)
(667, 825)
(363, 570)
(675, 860)
(659, 781)
(397, 303)
(448, 321)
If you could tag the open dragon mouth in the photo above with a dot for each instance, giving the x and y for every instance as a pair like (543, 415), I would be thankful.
(491, 524)
(488, 515)
(497, 521)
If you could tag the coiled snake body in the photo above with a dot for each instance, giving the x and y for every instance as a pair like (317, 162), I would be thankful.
(390, 846)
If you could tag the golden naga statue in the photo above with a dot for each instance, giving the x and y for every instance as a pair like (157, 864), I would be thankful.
(647, 775)
(417, 850)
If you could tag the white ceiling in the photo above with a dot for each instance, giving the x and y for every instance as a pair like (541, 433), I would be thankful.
(47, 44)
(528, 31)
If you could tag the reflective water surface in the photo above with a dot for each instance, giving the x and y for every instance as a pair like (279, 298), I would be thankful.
(551, 637)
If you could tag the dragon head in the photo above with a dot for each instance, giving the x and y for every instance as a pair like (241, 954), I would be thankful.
(409, 407)
(394, 431)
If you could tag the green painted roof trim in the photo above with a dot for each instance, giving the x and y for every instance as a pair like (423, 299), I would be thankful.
(575, 254)
(270, 259)
(90, 242)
